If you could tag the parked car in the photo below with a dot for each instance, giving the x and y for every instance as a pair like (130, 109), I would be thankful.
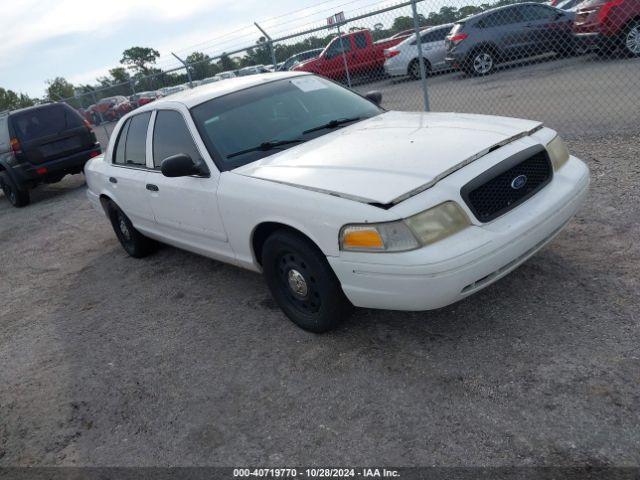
(609, 25)
(362, 54)
(42, 144)
(165, 91)
(479, 43)
(252, 70)
(335, 200)
(294, 60)
(226, 75)
(209, 80)
(142, 98)
(113, 108)
(403, 58)
(405, 33)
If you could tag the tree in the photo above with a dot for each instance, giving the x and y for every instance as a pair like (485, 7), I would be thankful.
(201, 66)
(10, 100)
(226, 63)
(59, 88)
(119, 75)
(140, 59)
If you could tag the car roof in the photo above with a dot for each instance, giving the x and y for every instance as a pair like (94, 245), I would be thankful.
(197, 95)
(33, 107)
(498, 9)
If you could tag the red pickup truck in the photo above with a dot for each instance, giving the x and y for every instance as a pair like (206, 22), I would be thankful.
(363, 55)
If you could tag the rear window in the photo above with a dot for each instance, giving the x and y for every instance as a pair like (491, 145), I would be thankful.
(44, 121)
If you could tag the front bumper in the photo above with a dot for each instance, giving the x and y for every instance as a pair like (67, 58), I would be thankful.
(490, 252)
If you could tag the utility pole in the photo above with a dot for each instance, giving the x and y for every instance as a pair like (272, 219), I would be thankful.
(186, 66)
(423, 72)
(271, 48)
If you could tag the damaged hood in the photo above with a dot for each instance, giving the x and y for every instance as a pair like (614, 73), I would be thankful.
(388, 157)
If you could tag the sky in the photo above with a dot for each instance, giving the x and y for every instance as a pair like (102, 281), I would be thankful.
(82, 39)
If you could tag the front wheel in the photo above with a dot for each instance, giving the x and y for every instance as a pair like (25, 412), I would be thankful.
(133, 242)
(16, 196)
(302, 282)
(632, 39)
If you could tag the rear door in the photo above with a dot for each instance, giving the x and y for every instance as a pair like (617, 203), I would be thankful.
(361, 57)
(185, 208)
(434, 47)
(128, 174)
(50, 132)
(506, 31)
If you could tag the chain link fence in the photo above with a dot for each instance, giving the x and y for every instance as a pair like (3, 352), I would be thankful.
(574, 65)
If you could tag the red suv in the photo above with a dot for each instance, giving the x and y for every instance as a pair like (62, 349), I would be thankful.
(609, 25)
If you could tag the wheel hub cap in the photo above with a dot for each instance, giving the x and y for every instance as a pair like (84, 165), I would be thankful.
(124, 229)
(483, 63)
(297, 283)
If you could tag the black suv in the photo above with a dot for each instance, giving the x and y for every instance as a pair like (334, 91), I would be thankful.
(479, 43)
(42, 144)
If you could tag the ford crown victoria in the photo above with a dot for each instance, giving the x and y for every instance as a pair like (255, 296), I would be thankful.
(337, 202)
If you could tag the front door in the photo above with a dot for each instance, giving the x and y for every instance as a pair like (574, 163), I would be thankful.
(185, 208)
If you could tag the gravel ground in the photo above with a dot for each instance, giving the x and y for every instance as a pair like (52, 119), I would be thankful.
(180, 360)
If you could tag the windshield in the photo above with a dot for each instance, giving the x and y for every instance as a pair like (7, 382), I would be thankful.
(292, 110)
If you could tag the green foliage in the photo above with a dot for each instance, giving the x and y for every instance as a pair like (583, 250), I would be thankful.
(140, 59)
(59, 88)
(10, 100)
(201, 66)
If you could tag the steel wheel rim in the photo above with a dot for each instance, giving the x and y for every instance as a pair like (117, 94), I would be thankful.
(297, 283)
(482, 63)
(633, 40)
(124, 229)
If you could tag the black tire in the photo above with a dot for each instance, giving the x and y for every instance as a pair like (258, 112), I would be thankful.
(631, 39)
(16, 196)
(133, 242)
(414, 69)
(303, 283)
(481, 62)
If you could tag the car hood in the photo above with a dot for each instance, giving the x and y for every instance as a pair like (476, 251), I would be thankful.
(390, 157)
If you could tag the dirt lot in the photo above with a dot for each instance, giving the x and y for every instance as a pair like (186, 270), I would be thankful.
(180, 360)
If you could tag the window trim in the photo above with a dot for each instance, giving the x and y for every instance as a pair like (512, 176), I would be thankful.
(151, 131)
(126, 122)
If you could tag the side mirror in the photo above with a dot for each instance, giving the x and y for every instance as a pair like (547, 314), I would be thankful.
(180, 165)
(374, 96)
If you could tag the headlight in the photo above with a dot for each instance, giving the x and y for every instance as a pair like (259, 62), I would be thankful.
(419, 230)
(557, 152)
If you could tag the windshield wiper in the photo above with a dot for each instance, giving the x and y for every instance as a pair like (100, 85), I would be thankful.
(264, 146)
(333, 124)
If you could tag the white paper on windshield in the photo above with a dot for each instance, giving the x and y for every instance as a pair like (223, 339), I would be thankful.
(308, 84)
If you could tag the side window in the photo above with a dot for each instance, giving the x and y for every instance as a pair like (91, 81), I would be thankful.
(135, 144)
(532, 13)
(336, 47)
(171, 136)
(361, 40)
(120, 143)
(440, 35)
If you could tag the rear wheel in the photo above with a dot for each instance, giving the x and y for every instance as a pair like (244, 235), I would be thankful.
(632, 38)
(302, 282)
(17, 197)
(133, 242)
(414, 68)
(481, 62)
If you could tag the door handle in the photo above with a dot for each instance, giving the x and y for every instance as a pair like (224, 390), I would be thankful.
(113, 180)
(152, 188)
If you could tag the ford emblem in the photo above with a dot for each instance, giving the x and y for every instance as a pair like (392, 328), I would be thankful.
(519, 182)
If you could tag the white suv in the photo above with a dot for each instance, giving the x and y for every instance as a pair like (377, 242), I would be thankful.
(402, 59)
(337, 201)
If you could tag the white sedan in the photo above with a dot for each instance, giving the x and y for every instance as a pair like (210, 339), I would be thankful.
(402, 59)
(335, 200)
